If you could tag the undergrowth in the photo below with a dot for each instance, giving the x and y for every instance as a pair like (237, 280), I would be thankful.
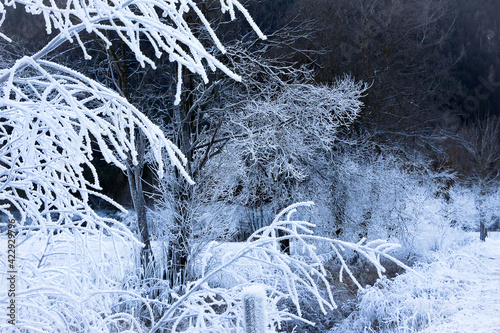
(412, 301)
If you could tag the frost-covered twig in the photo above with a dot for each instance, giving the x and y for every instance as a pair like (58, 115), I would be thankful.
(285, 277)
(77, 287)
(49, 116)
(161, 24)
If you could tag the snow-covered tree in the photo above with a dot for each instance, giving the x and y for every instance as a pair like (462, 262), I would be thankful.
(290, 130)
(53, 118)
(481, 145)
(50, 114)
(246, 143)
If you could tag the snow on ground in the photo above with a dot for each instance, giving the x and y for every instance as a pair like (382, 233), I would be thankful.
(458, 291)
(479, 302)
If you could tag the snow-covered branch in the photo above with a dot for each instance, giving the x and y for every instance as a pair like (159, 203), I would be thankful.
(162, 25)
(285, 277)
(49, 116)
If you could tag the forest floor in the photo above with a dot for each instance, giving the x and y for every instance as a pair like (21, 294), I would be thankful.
(479, 303)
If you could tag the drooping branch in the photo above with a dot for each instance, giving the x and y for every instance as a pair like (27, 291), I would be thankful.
(135, 22)
(49, 116)
(283, 276)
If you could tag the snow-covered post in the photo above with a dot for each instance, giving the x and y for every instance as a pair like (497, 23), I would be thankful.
(483, 232)
(254, 309)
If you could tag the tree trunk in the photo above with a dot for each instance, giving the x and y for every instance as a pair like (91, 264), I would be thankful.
(134, 174)
(177, 257)
(483, 233)
(178, 249)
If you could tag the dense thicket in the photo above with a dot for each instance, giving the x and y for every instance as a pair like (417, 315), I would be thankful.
(433, 66)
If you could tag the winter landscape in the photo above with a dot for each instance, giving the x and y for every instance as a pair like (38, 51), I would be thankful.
(250, 166)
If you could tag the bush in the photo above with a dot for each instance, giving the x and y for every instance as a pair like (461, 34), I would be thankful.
(412, 301)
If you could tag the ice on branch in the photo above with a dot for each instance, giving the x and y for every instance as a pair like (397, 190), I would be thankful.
(284, 277)
(49, 115)
(157, 23)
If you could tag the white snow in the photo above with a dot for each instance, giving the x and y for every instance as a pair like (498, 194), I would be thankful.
(458, 292)
(479, 302)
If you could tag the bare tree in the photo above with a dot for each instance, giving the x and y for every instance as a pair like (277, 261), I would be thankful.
(481, 141)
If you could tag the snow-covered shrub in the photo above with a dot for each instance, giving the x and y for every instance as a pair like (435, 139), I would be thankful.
(412, 301)
(214, 254)
(463, 207)
(384, 195)
(71, 281)
(465, 210)
(492, 208)
(204, 307)
(190, 221)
